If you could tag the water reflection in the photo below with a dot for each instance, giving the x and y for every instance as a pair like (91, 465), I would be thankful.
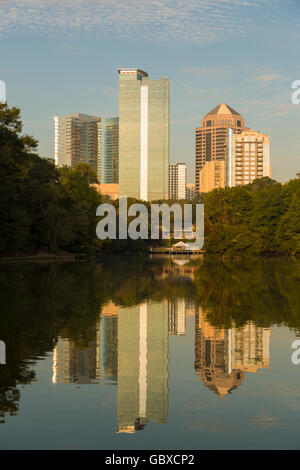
(222, 356)
(111, 324)
(131, 351)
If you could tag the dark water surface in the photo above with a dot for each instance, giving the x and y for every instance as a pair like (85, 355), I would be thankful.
(150, 353)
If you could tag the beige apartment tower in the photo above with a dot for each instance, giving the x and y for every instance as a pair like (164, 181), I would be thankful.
(78, 140)
(212, 176)
(143, 135)
(247, 157)
(211, 136)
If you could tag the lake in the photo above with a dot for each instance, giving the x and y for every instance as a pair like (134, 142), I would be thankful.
(150, 353)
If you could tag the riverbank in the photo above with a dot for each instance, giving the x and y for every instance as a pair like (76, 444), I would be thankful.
(44, 257)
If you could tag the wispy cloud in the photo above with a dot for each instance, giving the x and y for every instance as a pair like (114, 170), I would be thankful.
(269, 107)
(207, 70)
(268, 78)
(192, 21)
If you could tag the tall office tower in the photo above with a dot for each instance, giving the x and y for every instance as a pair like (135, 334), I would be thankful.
(111, 150)
(78, 140)
(143, 135)
(247, 157)
(142, 366)
(177, 181)
(212, 176)
(211, 136)
(190, 191)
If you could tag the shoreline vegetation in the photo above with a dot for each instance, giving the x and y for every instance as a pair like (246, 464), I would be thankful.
(49, 213)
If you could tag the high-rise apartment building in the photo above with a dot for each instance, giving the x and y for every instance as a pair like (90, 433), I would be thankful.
(247, 157)
(177, 181)
(143, 135)
(190, 191)
(212, 176)
(78, 140)
(111, 150)
(211, 136)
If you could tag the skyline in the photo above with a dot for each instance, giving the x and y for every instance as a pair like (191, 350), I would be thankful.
(210, 51)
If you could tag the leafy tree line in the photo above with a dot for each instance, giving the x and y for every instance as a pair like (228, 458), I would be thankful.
(41, 206)
(260, 218)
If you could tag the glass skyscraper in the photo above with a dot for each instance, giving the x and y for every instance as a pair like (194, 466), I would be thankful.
(78, 140)
(143, 135)
(111, 150)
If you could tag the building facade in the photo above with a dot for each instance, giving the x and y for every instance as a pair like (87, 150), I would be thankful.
(143, 135)
(190, 191)
(211, 136)
(111, 150)
(247, 157)
(212, 176)
(78, 140)
(110, 190)
(177, 181)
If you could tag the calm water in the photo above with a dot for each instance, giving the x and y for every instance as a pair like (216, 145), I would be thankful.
(150, 353)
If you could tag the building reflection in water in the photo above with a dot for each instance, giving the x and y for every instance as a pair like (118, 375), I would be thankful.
(74, 365)
(109, 350)
(222, 356)
(142, 365)
(131, 350)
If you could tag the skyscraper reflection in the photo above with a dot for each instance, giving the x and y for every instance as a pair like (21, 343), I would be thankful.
(222, 356)
(71, 364)
(131, 351)
(109, 343)
(143, 365)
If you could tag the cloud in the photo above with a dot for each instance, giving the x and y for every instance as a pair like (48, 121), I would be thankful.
(192, 21)
(206, 70)
(268, 78)
(271, 108)
(221, 91)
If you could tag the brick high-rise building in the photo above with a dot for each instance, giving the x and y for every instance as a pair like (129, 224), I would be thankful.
(211, 136)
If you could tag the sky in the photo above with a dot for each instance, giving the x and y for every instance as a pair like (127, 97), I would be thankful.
(61, 57)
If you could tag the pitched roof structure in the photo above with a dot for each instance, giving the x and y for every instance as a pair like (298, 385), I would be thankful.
(223, 108)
